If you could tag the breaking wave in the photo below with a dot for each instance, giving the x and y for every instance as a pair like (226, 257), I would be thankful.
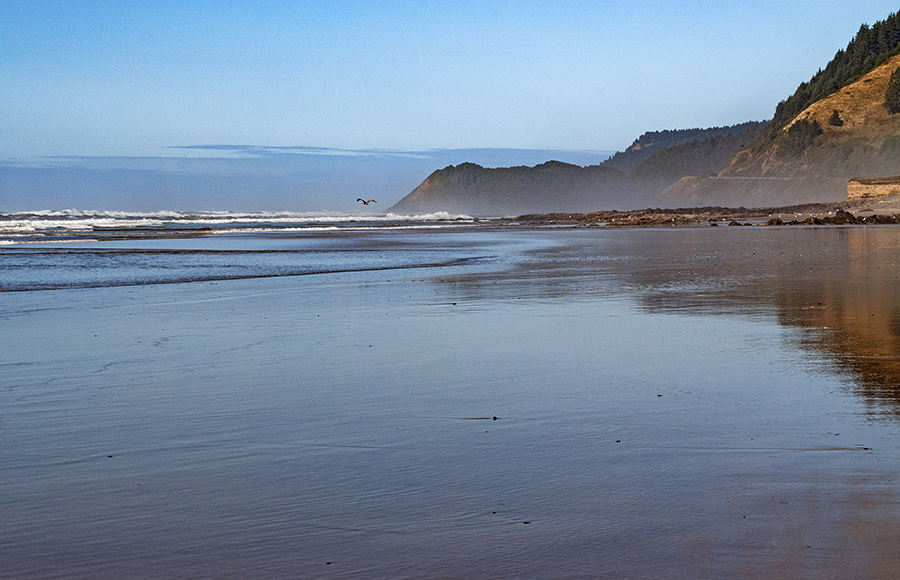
(75, 224)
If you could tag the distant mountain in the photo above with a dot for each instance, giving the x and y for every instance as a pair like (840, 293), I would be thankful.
(706, 156)
(475, 190)
(553, 186)
(653, 142)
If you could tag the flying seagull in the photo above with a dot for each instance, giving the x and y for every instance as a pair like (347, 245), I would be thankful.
(366, 201)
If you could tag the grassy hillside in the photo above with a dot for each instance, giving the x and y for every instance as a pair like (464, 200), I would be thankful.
(835, 125)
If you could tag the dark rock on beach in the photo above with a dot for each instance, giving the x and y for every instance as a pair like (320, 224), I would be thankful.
(847, 212)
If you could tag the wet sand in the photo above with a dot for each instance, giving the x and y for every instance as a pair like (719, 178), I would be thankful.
(670, 403)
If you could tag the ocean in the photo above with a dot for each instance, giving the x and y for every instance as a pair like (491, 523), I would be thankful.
(69, 249)
(284, 395)
(86, 226)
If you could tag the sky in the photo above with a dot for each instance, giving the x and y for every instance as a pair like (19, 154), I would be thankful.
(127, 86)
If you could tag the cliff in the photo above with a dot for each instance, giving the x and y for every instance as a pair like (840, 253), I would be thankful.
(861, 187)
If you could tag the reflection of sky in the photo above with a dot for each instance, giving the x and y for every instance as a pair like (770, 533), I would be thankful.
(834, 289)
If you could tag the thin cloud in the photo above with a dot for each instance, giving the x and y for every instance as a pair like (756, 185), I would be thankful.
(271, 151)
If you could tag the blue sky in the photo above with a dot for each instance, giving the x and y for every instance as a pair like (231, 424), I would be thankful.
(151, 79)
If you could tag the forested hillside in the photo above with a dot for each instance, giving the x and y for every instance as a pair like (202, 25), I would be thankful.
(554, 186)
(653, 142)
(871, 47)
(698, 157)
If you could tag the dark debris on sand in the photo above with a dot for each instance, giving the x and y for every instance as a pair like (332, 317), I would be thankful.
(850, 212)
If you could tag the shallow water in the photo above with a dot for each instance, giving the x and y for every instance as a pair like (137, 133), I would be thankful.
(670, 404)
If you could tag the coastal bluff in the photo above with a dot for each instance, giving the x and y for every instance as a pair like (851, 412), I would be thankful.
(471, 189)
(860, 187)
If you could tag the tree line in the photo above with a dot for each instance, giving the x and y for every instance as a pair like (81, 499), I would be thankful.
(872, 46)
(653, 142)
(697, 157)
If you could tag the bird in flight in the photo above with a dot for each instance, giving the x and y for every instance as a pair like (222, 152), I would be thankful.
(366, 201)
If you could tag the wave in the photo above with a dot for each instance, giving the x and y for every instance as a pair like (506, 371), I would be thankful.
(43, 226)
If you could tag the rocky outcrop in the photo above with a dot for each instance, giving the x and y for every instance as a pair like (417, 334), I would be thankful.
(876, 187)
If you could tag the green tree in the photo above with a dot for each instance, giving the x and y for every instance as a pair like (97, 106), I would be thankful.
(892, 94)
(835, 120)
(872, 46)
(799, 137)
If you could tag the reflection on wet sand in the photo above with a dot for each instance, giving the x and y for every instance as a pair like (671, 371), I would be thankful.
(795, 511)
(837, 289)
(311, 425)
(861, 311)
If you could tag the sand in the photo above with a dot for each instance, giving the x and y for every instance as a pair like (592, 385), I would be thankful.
(670, 403)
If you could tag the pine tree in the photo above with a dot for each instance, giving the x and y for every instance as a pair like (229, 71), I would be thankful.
(872, 46)
(835, 120)
(799, 138)
(892, 95)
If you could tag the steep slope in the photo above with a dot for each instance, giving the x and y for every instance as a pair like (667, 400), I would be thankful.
(834, 125)
(833, 128)
(867, 142)
(653, 142)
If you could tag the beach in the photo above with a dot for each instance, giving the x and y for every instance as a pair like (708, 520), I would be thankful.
(478, 401)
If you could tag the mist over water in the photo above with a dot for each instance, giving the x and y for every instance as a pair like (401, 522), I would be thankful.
(669, 403)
